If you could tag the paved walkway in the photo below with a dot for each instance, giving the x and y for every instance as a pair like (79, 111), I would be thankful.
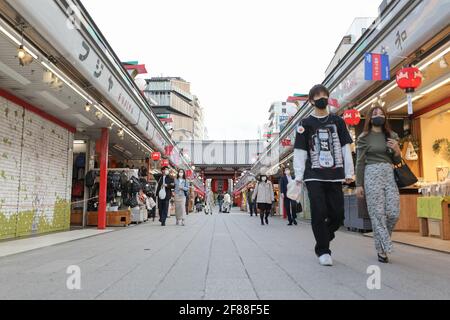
(226, 256)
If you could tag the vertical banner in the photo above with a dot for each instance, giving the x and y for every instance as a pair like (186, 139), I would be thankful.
(377, 67)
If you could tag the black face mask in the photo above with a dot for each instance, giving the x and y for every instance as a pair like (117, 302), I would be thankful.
(378, 121)
(321, 103)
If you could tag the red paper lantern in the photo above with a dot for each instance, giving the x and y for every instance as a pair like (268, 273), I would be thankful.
(352, 117)
(409, 79)
(286, 142)
(164, 163)
(188, 173)
(168, 150)
(156, 156)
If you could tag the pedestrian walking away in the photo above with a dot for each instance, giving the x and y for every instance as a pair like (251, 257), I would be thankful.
(220, 201)
(290, 206)
(377, 151)
(323, 160)
(263, 195)
(181, 194)
(164, 192)
(251, 203)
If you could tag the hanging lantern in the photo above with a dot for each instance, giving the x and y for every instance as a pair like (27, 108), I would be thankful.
(188, 174)
(156, 156)
(168, 150)
(164, 163)
(409, 79)
(286, 142)
(352, 117)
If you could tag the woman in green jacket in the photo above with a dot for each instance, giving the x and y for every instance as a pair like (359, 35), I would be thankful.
(377, 151)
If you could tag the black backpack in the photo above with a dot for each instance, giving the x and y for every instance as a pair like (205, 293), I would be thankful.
(143, 172)
(134, 185)
(90, 179)
(123, 180)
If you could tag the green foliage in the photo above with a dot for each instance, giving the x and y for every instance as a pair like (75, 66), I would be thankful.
(442, 145)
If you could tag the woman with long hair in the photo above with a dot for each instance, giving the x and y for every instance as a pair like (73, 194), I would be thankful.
(264, 197)
(377, 151)
(181, 193)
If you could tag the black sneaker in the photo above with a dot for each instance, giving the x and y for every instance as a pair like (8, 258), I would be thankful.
(295, 222)
(290, 224)
(267, 221)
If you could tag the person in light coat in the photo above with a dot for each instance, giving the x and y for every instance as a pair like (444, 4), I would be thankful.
(181, 193)
(264, 197)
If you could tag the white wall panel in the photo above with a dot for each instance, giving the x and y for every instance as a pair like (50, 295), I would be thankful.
(11, 125)
(38, 170)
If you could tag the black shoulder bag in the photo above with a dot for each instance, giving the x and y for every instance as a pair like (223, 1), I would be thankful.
(403, 175)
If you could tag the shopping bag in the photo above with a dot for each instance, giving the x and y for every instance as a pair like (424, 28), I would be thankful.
(294, 191)
(162, 193)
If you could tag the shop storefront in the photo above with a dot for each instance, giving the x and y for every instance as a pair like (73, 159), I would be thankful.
(408, 38)
(68, 108)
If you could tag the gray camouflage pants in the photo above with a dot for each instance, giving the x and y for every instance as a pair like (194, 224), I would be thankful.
(383, 203)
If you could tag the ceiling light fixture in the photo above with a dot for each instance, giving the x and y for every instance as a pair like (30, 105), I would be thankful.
(47, 78)
(99, 115)
(24, 57)
(87, 107)
(443, 63)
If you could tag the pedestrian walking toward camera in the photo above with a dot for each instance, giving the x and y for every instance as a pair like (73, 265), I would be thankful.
(181, 194)
(290, 206)
(323, 160)
(220, 201)
(377, 151)
(164, 192)
(263, 195)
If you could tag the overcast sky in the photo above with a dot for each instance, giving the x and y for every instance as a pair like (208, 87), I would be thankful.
(238, 55)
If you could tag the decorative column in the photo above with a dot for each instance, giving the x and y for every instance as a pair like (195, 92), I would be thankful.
(104, 142)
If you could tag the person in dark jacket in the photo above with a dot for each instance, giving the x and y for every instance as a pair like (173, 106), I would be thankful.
(166, 182)
(220, 201)
(290, 206)
(251, 203)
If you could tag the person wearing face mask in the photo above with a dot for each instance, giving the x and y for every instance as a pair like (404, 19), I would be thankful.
(166, 182)
(377, 150)
(323, 160)
(181, 193)
(251, 203)
(264, 197)
(290, 206)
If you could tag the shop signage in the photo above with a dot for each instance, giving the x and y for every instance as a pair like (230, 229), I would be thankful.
(427, 19)
(50, 20)
(377, 67)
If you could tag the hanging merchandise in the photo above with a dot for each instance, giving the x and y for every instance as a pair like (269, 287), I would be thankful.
(409, 79)
(411, 154)
(352, 117)
(90, 178)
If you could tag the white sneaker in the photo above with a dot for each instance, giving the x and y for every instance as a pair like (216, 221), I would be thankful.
(325, 260)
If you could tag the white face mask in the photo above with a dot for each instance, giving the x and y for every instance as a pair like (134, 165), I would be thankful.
(166, 172)
(288, 172)
(263, 179)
